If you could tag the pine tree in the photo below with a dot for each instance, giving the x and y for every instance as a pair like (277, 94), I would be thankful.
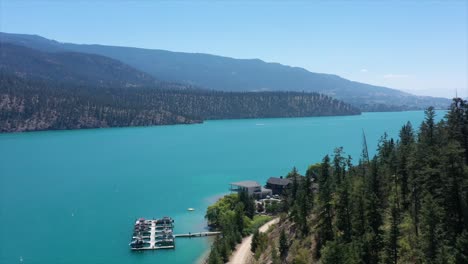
(431, 229)
(214, 257)
(404, 151)
(255, 241)
(393, 233)
(457, 121)
(343, 211)
(325, 213)
(461, 248)
(308, 192)
(338, 166)
(283, 245)
(239, 217)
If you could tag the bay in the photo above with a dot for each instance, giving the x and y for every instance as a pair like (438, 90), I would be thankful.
(72, 196)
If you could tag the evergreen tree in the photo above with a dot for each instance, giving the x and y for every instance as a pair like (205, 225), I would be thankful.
(255, 241)
(343, 212)
(325, 213)
(214, 257)
(283, 245)
(404, 151)
(461, 255)
(274, 255)
(457, 121)
(239, 217)
(393, 233)
(431, 229)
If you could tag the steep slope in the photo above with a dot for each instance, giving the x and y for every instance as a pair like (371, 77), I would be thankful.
(228, 74)
(69, 67)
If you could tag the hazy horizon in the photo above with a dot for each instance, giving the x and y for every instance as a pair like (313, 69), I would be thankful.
(415, 47)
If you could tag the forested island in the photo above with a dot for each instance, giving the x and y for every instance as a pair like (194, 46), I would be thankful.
(407, 204)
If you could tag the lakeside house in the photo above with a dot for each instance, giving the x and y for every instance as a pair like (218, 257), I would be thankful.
(278, 185)
(253, 188)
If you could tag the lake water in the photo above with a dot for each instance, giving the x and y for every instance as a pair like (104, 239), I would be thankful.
(73, 196)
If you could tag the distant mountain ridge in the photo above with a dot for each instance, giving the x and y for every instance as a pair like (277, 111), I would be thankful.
(228, 74)
(70, 67)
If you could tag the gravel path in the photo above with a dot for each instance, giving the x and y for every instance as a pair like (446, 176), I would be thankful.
(242, 254)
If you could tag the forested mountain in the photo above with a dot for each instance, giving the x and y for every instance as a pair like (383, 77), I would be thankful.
(28, 105)
(69, 67)
(70, 90)
(408, 204)
(228, 74)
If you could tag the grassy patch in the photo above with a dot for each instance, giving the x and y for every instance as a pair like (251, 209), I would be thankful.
(257, 222)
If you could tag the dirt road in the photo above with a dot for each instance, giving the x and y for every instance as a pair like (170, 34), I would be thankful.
(242, 254)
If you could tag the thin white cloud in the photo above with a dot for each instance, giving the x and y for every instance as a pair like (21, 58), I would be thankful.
(395, 76)
(364, 70)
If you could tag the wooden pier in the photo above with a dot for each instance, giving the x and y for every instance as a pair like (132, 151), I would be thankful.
(199, 234)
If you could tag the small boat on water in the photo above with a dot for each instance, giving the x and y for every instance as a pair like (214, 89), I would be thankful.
(137, 243)
(190, 209)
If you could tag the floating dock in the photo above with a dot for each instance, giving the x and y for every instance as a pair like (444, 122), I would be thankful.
(153, 234)
(158, 234)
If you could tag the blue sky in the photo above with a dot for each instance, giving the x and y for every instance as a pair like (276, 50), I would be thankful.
(416, 46)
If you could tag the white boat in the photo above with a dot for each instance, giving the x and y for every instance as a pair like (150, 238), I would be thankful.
(190, 209)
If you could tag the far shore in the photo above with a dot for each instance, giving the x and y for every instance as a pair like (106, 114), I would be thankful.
(201, 122)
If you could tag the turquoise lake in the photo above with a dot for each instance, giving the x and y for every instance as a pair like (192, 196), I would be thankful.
(73, 196)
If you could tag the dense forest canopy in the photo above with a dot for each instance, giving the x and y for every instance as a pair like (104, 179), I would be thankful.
(27, 105)
(407, 204)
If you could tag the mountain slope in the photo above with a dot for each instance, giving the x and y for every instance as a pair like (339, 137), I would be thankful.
(70, 67)
(70, 90)
(228, 74)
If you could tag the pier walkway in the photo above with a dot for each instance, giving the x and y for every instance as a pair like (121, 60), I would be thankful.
(199, 234)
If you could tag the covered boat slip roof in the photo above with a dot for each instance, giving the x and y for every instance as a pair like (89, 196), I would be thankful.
(246, 184)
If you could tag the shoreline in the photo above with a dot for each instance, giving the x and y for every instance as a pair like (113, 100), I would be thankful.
(195, 123)
(204, 256)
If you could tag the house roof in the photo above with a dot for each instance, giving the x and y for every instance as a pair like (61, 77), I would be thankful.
(246, 184)
(278, 181)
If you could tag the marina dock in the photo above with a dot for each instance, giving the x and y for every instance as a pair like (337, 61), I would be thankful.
(153, 234)
(158, 234)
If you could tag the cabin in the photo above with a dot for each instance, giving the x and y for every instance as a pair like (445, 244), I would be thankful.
(253, 188)
(278, 185)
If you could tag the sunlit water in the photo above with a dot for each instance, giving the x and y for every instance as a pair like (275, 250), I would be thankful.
(72, 196)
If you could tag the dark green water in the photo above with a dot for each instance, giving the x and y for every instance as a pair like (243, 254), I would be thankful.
(72, 196)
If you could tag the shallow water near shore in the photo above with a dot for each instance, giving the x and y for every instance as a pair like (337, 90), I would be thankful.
(72, 196)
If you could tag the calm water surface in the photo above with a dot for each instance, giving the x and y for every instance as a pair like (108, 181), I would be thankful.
(72, 196)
